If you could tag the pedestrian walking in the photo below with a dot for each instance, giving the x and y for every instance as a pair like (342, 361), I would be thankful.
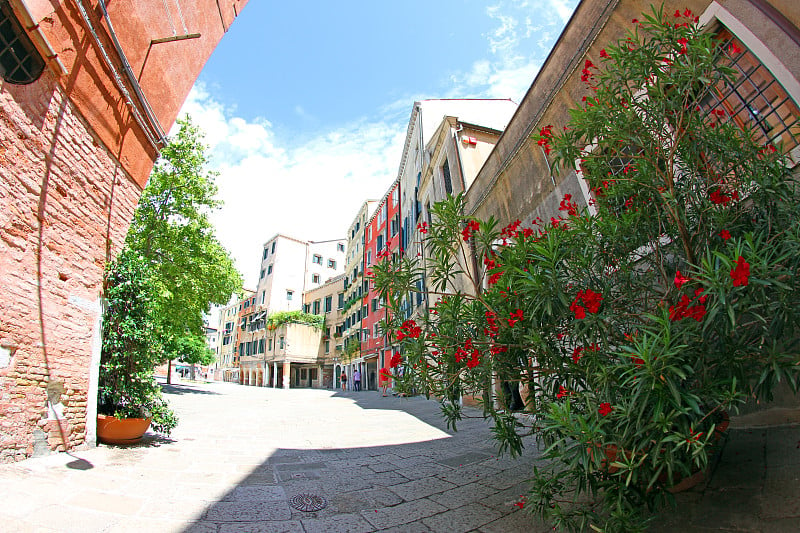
(343, 379)
(385, 379)
(357, 380)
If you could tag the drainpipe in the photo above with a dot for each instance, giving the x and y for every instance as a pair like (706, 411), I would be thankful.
(39, 38)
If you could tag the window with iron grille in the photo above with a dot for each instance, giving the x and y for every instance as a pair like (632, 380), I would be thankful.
(20, 63)
(755, 98)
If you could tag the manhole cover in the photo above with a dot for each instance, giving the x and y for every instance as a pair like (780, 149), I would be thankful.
(308, 502)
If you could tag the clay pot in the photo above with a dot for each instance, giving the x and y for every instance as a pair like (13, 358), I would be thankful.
(112, 430)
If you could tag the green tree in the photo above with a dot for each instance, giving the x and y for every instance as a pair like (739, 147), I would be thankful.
(632, 325)
(191, 349)
(172, 231)
(132, 345)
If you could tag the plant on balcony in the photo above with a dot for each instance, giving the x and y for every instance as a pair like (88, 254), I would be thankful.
(623, 330)
(276, 320)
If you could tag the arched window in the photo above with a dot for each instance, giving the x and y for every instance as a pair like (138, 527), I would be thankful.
(20, 63)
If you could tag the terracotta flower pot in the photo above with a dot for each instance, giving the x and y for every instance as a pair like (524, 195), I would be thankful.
(112, 430)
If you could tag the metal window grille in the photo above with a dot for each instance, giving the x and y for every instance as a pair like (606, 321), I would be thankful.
(20, 63)
(755, 98)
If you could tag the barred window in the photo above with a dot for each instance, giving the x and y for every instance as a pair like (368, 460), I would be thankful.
(755, 98)
(20, 63)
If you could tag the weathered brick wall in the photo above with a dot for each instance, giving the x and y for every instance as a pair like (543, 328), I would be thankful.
(65, 205)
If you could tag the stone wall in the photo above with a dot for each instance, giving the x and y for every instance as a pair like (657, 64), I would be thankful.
(65, 206)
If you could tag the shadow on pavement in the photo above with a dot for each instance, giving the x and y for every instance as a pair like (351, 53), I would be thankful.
(176, 388)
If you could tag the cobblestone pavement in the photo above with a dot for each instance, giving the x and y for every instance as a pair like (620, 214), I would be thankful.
(243, 455)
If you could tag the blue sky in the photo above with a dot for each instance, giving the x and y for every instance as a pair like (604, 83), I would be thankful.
(305, 109)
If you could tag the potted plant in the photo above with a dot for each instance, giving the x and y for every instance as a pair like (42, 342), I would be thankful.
(626, 329)
(129, 399)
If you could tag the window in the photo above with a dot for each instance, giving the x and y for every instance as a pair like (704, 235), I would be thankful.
(375, 304)
(365, 311)
(20, 63)
(328, 304)
(365, 335)
(448, 184)
(266, 253)
(382, 215)
(314, 278)
(369, 257)
(327, 346)
(269, 270)
(340, 247)
(316, 307)
(282, 343)
(395, 198)
(263, 297)
(273, 246)
(379, 246)
(317, 259)
(394, 226)
(376, 330)
(307, 308)
(331, 263)
(754, 98)
(261, 346)
(270, 345)
(289, 294)
(340, 303)
(369, 233)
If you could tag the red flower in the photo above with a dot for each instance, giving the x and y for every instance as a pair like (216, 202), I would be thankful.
(474, 360)
(568, 205)
(471, 227)
(684, 43)
(604, 409)
(396, 360)
(677, 14)
(680, 279)
(592, 300)
(408, 329)
(734, 49)
(422, 227)
(576, 354)
(545, 135)
(494, 278)
(562, 392)
(725, 234)
(741, 273)
(604, 54)
(638, 361)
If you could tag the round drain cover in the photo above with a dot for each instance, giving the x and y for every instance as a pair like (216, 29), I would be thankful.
(308, 502)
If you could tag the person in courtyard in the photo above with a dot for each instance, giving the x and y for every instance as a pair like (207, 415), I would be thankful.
(357, 380)
(385, 379)
(344, 380)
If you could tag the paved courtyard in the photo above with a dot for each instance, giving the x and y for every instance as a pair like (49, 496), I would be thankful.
(243, 455)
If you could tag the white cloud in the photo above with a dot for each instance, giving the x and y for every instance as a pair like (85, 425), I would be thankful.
(311, 191)
(518, 45)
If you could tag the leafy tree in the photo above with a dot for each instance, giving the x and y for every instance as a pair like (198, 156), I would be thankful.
(171, 230)
(633, 325)
(191, 349)
(132, 345)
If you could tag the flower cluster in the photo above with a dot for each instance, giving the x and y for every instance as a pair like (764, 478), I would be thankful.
(471, 227)
(469, 353)
(422, 227)
(590, 300)
(545, 136)
(568, 205)
(685, 309)
(741, 273)
(586, 73)
(396, 360)
(409, 329)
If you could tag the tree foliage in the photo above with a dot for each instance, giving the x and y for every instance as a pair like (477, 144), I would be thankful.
(172, 231)
(630, 326)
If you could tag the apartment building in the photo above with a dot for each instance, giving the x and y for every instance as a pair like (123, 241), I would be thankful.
(326, 300)
(382, 238)
(289, 268)
(354, 288)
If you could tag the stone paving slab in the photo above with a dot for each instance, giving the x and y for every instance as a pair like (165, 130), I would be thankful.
(391, 465)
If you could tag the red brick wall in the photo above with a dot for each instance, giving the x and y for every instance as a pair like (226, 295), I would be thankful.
(62, 196)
